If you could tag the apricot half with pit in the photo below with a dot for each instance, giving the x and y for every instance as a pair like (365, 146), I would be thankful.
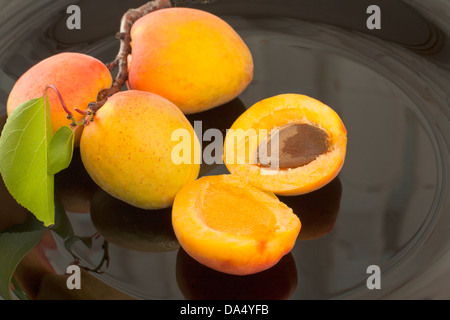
(289, 144)
(231, 226)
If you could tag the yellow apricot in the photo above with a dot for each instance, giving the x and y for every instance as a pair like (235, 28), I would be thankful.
(127, 150)
(190, 57)
(231, 226)
(78, 77)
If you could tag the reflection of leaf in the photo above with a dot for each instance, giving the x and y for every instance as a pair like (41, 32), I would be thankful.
(24, 158)
(15, 243)
(60, 150)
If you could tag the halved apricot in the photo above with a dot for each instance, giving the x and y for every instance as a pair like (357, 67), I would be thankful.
(289, 144)
(231, 226)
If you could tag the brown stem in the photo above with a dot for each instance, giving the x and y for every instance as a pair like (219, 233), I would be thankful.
(74, 123)
(121, 60)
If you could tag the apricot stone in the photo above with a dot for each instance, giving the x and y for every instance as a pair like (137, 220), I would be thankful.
(232, 227)
(189, 56)
(127, 150)
(289, 144)
(78, 77)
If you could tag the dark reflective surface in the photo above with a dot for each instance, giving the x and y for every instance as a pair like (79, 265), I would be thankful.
(389, 205)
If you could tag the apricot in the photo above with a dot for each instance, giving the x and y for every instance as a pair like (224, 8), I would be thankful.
(189, 56)
(231, 226)
(78, 77)
(132, 228)
(198, 282)
(127, 150)
(289, 144)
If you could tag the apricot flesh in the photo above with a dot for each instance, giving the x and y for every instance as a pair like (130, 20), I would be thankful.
(230, 226)
(189, 56)
(78, 77)
(306, 163)
(127, 150)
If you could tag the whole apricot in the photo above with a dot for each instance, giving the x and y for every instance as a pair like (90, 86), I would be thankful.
(190, 57)
(127, 150)
(230, 226)
(78, 77)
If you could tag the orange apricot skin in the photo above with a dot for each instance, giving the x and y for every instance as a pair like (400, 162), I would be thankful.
(190, 57)
(78, 77)
(127, 150)
(231, 253)
(275, 112)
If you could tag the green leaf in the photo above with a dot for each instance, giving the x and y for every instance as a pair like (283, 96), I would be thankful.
(15, 243)
(24, 158)
(60, 150)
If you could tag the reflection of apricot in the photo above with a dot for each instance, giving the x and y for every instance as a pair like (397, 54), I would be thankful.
(130, 227)
(231, 226)
(310, 137)
(74, 187)
(198, 282)
(317, 210)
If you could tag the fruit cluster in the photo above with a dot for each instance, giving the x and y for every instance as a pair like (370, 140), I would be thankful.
(186, 61)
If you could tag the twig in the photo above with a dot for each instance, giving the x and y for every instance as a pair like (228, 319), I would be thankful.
(121, 60)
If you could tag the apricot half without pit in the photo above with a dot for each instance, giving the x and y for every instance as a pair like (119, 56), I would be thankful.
(230, 226)
(289, 144)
